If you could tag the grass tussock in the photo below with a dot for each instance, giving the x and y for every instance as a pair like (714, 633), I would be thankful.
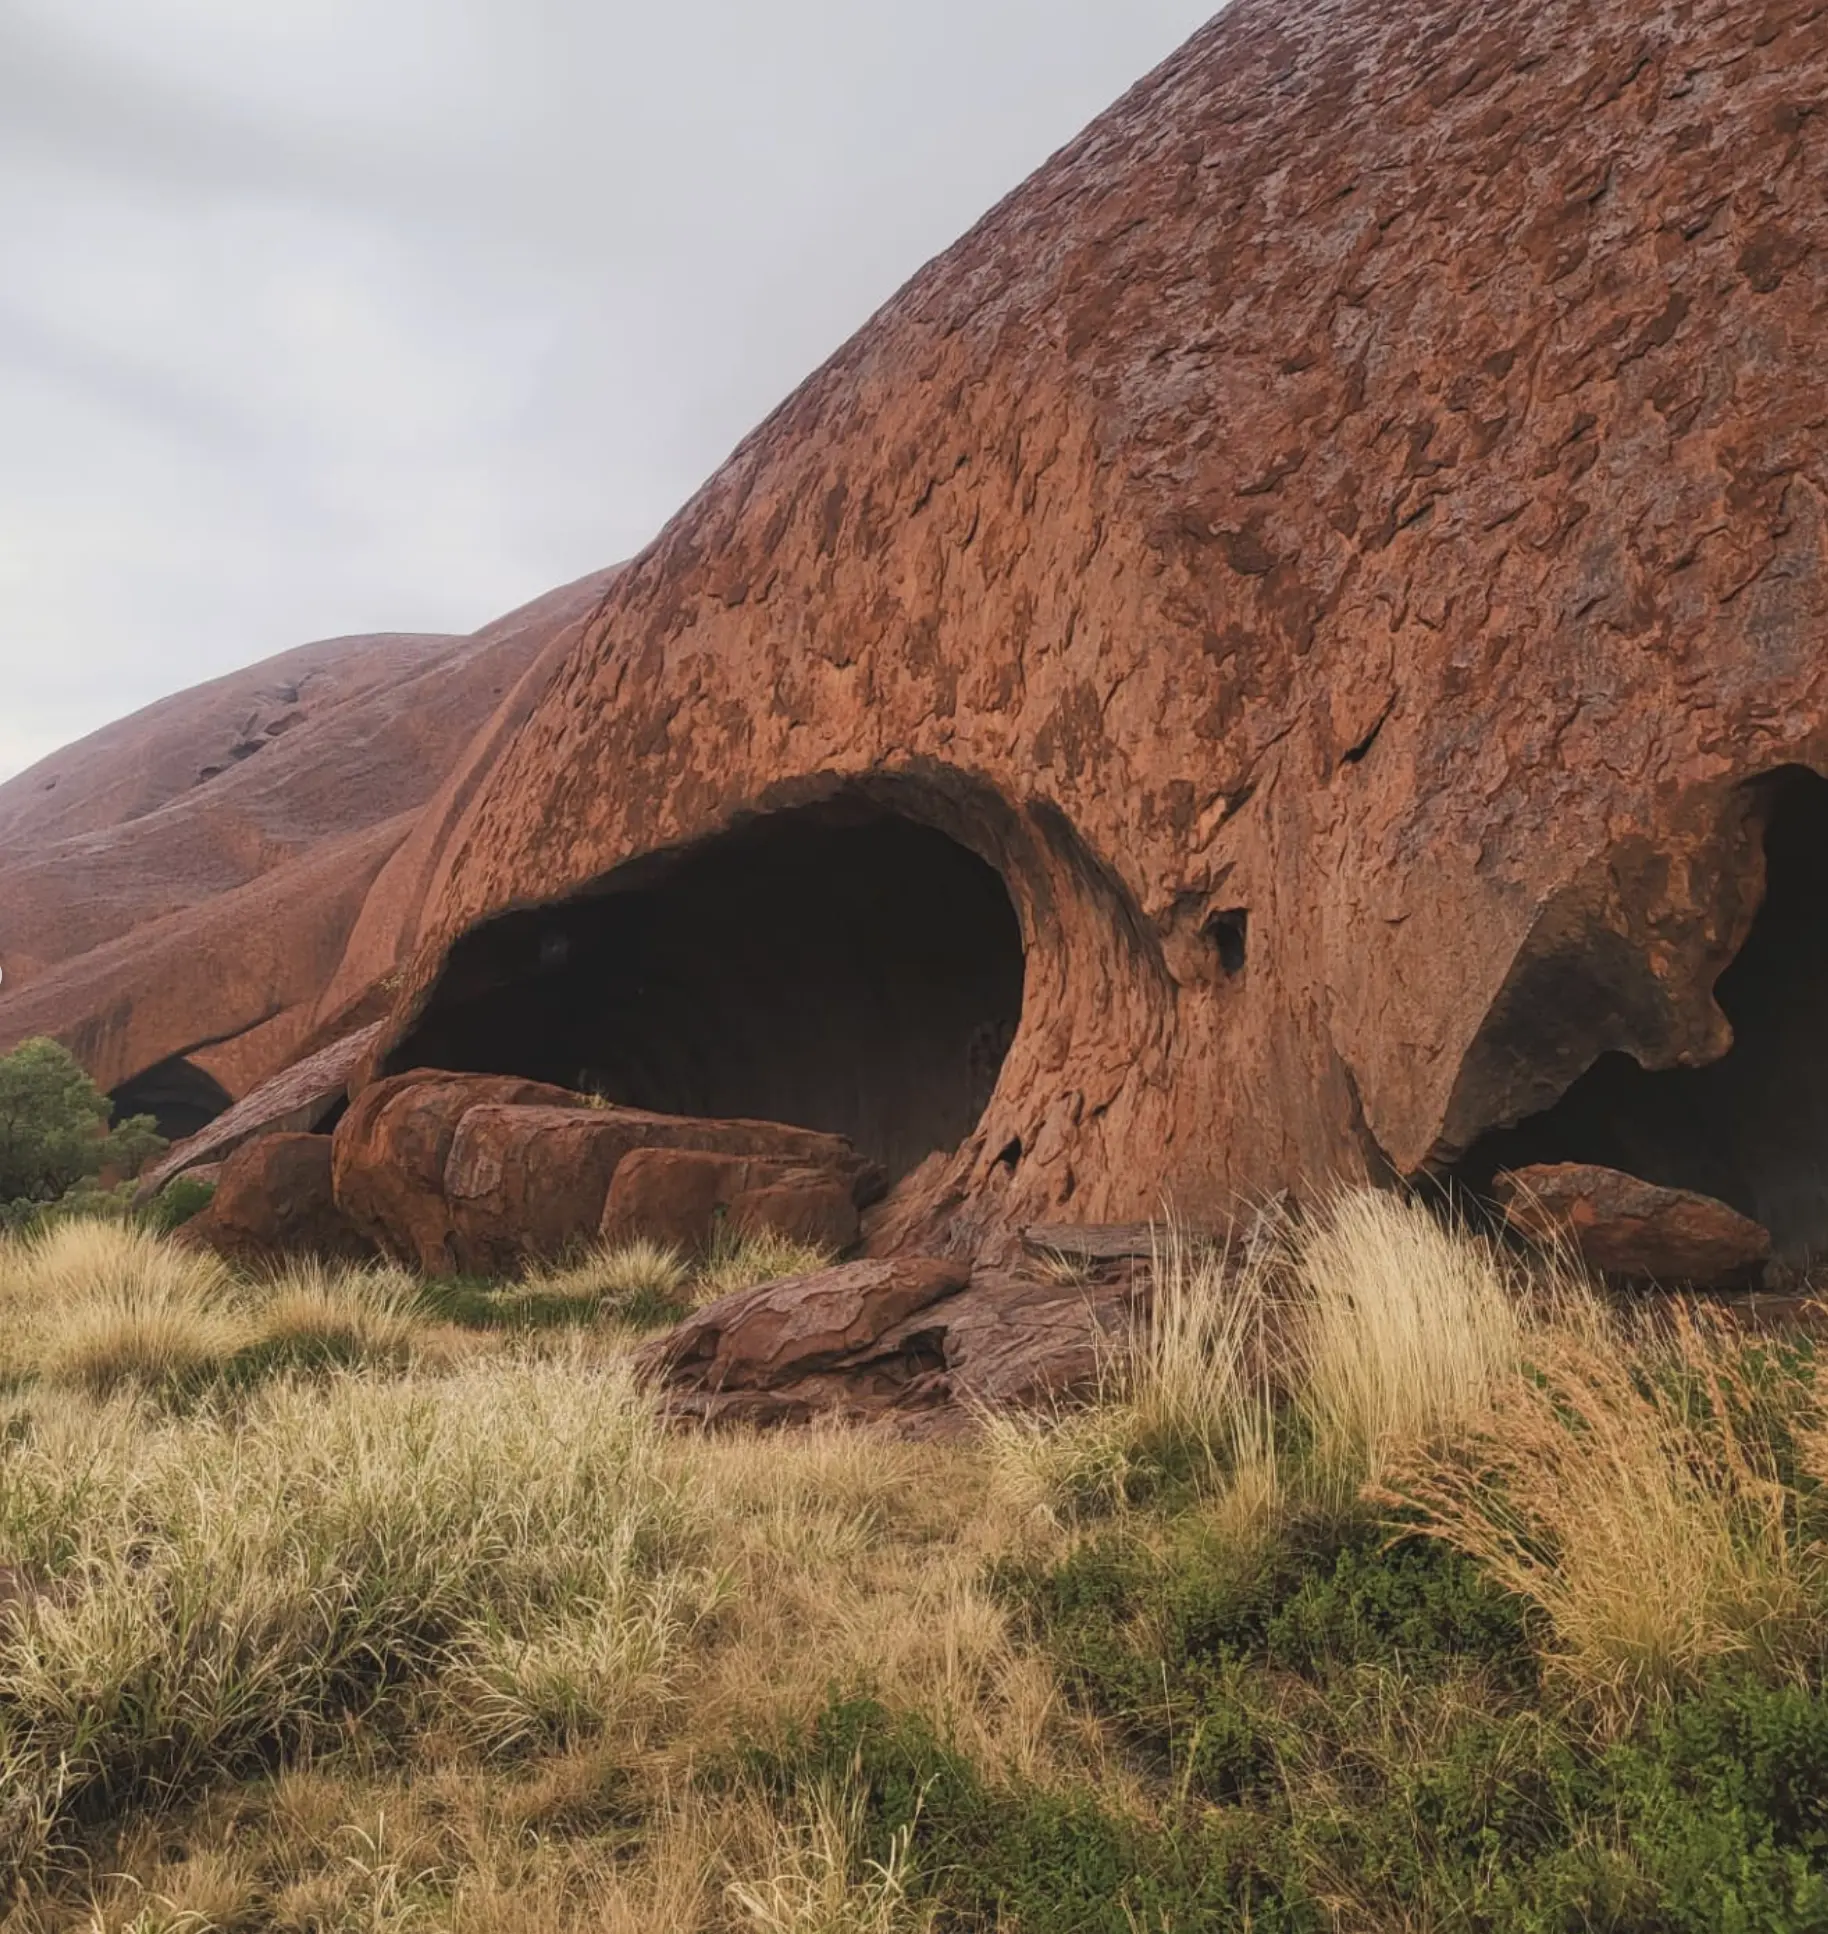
(746, 1261)
(1627, 1487)
(1406, 1327)
(1384, 1585)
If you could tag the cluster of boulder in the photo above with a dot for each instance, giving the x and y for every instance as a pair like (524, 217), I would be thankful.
(485, 1174)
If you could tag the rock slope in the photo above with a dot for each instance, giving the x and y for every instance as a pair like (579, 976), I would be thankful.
(1291, 649)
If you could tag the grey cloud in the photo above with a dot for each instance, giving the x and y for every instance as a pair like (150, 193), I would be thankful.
(335, 315)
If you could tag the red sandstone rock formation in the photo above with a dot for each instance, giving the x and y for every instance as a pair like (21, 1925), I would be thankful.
(684, 1196)
(192, 896)
(485, 1173)
(1296, 645)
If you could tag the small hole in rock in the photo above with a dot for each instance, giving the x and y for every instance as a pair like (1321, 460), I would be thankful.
(1010, 1153)
(1228, 932)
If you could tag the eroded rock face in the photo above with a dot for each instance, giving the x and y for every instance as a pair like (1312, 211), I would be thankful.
(274, 1200)
(298, 1100)
(530, 1182)
(1627, 1227)
(1340, 551)
(181, 891)
(683, 1196)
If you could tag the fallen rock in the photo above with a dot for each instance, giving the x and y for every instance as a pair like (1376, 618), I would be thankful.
(1012, 1343)
(299, 1100)
(906, 1338)
(806, 1345)
(683, 1196)
(810, 1205)
(274, 1200)
(390, 1151)
(1624, 1226)
(528, 1182)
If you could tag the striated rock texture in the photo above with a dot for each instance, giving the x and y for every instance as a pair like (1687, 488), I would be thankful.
(193, 897)
(482, 1174)
(907, 1337)
(1277, 655)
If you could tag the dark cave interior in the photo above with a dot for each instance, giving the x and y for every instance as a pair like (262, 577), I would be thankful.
(838, 966)
(177, 1094)
(1752, 1127)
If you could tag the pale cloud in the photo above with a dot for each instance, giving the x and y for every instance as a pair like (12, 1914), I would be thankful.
(325, 316)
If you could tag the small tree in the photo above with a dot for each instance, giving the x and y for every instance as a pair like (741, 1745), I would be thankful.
(54, 1130)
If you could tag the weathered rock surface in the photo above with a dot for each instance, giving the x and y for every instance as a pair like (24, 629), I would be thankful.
(390, 1152)
(906, 1337)
(789, 1349)
(274, 1200)
(684, 1195)
(298, 1100)
(1627, 1227)
(485, 1173)
(528, 1182)
(1336, 544)
(183, 886)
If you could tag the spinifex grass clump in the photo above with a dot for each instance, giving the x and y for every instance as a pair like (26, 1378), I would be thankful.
(100, 1305)
(639, 1282)
(1402, 1329)
(202, 1592)
(1625, 1483)
(745, 1261)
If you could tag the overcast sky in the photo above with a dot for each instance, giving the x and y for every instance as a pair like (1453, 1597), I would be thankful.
(322, 316)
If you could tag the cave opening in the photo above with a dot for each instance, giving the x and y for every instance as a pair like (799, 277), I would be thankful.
(838, 966)
(177, 1094)
(1751, 1128)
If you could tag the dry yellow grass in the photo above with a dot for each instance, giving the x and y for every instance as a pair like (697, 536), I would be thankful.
(1614, 1485)
(98, 1304)
(1402, 1329)
(744, 1262)
(640, 1270)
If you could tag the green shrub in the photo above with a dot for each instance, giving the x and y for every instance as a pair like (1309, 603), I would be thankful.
(54, 1131)
(181, 1198)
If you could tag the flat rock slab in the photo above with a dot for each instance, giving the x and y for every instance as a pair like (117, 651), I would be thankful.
(1624, 1226)
(1092, 1242)
(799, 1326)
(296, 1101)
(868, 1340)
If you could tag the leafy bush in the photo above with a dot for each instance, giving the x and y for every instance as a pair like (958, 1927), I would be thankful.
(54, 1126)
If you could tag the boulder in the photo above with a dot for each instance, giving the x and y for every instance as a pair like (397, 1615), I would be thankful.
(907, 1338)
(390, 1151)
(807, 1345)
(1011, 1343)
(1626, 1227)
(274, 1200)
(683, 1196)
(524, 1183)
